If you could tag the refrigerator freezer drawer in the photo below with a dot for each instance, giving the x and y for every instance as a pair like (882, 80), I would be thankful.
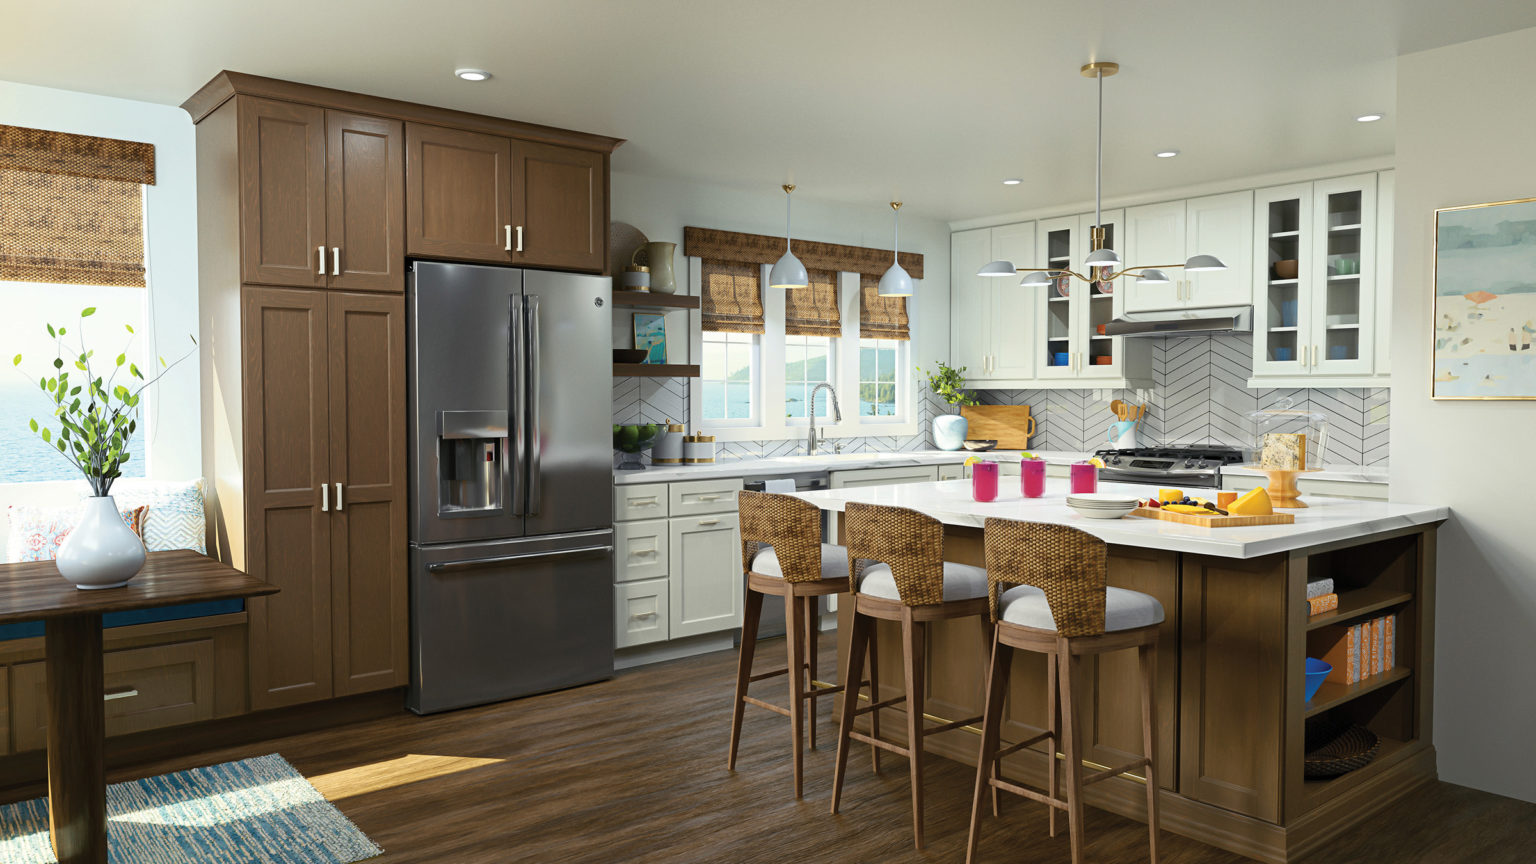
(495, 621)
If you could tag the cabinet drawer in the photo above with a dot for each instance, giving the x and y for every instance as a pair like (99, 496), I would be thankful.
(147, 688)
(641, 501)
(703, 496)
(639, 550)
(951, 472)
(640, 613)
(883, 476)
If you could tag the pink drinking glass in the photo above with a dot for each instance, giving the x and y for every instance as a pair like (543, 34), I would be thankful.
(1085, 478)
(1032, 477)
(984, 481)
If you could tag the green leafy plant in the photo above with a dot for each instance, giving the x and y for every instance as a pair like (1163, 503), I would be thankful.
(95, 416)
(947, 381)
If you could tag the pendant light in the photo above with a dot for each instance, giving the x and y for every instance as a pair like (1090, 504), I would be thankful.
(788, 272)
(896, 282)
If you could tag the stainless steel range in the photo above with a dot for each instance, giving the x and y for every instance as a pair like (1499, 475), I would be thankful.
(1183, 465)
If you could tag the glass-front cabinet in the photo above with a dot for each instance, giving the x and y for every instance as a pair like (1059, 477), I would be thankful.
(1071, 314)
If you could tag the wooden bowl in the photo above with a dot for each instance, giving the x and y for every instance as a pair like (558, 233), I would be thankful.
(629, 355)
(1286, 269)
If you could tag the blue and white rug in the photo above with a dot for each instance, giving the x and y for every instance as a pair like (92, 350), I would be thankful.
(253, 810)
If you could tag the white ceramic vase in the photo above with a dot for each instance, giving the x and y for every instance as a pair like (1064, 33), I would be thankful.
(949, 431)
(102, 551)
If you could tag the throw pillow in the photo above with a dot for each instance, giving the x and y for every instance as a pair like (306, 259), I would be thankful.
(36, 532)
(175, 519)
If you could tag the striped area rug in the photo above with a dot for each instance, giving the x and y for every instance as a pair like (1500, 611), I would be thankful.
(253, 810)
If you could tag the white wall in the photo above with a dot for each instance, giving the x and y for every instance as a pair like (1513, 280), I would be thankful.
(174, 448)
(662, 208)
(1465, 131)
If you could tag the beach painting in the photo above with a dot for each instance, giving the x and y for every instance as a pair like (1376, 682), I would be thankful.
(1485, 301)
(651, 336)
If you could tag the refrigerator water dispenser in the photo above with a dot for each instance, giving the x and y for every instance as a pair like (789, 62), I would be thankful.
(471, 462)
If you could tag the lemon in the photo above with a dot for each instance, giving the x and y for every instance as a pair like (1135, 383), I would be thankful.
(1096, 462)
(971, 460)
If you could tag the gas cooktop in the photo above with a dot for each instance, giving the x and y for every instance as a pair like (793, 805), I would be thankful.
(1189, 465)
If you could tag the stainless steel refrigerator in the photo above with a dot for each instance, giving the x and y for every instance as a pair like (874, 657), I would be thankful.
(511, 483)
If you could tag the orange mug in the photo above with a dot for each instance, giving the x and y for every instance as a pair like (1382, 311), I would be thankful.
(1100, 328)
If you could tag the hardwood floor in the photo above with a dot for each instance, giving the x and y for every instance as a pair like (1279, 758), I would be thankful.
(633, 769)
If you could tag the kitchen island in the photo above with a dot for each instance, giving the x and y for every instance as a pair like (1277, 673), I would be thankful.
(1232, 719)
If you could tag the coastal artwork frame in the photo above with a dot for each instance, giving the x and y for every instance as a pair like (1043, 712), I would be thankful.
(1484, 333)
(651, 336)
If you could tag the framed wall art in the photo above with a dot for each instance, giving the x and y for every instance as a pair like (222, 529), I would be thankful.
(1485, 301)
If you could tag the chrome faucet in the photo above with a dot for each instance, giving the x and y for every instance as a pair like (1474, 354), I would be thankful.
(837, 417)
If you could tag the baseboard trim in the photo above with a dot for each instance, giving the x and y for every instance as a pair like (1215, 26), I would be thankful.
(676, 649)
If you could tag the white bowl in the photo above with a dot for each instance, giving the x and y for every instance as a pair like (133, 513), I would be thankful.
(1100, 499)
(1102, 512)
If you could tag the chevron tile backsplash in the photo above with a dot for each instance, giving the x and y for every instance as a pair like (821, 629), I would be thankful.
(1200, 395)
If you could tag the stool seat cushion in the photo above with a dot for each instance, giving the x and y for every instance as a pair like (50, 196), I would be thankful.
(961, 582)
(834, 562)
(1026, 606)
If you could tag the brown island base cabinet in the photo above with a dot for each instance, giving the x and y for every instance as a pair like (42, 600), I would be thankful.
(1230, 709)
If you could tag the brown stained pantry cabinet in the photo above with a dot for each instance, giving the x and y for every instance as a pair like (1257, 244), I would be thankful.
(309, 202)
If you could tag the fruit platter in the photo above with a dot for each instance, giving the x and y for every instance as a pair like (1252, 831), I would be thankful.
(1174, 505)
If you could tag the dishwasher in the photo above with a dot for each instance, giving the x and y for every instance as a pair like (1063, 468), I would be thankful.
(771, 623)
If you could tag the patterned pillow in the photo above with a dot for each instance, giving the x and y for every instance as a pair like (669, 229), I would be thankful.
(36, 532)
(175, 519)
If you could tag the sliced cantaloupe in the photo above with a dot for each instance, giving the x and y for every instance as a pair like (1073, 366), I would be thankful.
(1254, 502)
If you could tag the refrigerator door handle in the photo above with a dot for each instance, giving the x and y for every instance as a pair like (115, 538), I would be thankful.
(451, 566)
(535, 426)
(516, 363)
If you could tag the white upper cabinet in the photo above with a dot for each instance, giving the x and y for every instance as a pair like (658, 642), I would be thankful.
(970, 298)
(1157, 235)
(991, 319)
(1012, 314)
(1154, 237)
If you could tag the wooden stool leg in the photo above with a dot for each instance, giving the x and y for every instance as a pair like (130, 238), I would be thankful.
(858, 642)
(812, 631)
(991, 729)
(749, 618)
(1053, 725)
(989, 643)
(873, 652)
(1148, 657)
(793, 630)
(912, 659)
(1073, 738)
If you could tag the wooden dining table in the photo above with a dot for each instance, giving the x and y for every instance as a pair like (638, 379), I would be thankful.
(34, 591)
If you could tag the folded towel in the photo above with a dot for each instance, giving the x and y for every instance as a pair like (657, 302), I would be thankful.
(782, 486)
(1319, 588)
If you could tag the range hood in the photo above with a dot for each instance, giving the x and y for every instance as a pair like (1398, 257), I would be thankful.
(1173, 322)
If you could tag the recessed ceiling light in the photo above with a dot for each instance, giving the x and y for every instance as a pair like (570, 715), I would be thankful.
(1012, 181)
(472, 74)
(1368, 118)
(1167, 154)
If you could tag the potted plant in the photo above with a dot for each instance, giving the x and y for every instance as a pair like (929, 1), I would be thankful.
(949, 429)
(95, 417)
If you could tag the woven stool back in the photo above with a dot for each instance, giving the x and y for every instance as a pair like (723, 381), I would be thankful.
(791, 526)
(1069, 565)
(910, 542)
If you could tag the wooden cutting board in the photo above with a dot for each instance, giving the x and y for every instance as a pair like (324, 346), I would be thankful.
(1009, 425)
(1214, 521)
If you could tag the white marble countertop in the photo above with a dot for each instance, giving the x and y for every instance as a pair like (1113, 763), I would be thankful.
(1324, 521)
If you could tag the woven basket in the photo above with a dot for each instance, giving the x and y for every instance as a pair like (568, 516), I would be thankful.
(1353, 748)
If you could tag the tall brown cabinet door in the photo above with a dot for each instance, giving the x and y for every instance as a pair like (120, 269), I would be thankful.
(458, 194)
(282, 193)
(365, 202)
(367, 441)
(287, 464)
(559, 202)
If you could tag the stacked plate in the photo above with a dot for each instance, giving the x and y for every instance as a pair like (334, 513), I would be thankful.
(1102, 505)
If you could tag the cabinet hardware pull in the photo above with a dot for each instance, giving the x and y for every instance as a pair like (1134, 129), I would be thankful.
(519, 238)
(322, 260)
(325, 497)
(709, 497)
(509, 237)
(709, 521)
(647, 499)
(338, 497)
(643, 553)
(335, 260)
(643, 615)
(124, 693)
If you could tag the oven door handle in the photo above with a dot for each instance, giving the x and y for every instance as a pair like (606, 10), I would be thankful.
(1122, 475)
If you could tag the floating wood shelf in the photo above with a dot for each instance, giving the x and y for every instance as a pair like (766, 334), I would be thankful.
(646, 299)
(1353, 604)
(655, 370)
(1332, 695)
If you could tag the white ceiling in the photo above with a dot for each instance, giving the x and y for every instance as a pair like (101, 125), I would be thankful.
(935, 102)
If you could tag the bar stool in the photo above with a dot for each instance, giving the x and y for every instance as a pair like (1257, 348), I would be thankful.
(1060, 607)
(783, 556)
(911, 583)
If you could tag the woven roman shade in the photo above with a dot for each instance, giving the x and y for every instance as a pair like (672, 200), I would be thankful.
(72, 230)
(733, 296)
(709, 243)
(812, 310)
(46, 152)
(881, 317)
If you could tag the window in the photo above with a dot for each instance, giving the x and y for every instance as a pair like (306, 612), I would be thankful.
(808, 361)
(728, 377)
(879, 379)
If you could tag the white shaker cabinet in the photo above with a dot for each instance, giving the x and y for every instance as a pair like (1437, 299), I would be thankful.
(991, 319)
(706, 579)
(1154, 236)
(1157, 235)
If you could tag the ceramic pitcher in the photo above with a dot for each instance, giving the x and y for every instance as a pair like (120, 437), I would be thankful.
(660, 258)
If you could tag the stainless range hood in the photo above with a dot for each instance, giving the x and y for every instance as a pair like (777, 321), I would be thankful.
(1173, 322)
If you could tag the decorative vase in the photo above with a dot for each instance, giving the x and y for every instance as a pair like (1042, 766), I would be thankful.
(949, 431)
(102, 551)
(659, 257)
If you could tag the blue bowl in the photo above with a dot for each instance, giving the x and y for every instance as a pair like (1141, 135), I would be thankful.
(1317, 673)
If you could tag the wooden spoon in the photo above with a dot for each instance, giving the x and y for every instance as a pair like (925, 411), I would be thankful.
(1119, 408)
